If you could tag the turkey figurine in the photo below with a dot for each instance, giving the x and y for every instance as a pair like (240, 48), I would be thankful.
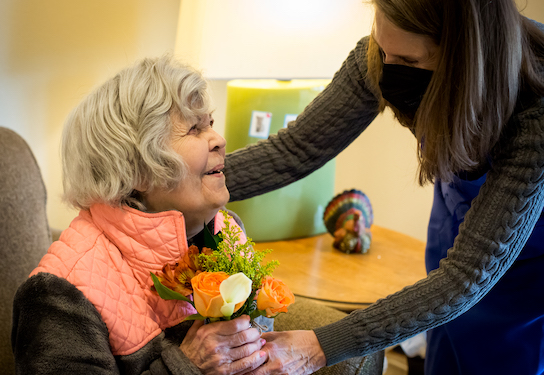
(348, 218)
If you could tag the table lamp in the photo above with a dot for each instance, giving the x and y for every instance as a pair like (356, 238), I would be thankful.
(277, 56)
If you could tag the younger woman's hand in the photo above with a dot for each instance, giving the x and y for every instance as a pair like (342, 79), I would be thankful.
(292, 353)
(226, 347)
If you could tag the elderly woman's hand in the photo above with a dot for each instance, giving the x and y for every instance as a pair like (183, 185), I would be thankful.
(227, 347)
(292, 352)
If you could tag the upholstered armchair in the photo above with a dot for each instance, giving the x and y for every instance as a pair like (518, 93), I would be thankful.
(24, 231)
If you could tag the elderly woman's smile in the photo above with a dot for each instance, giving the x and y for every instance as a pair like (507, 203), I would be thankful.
(202, 192)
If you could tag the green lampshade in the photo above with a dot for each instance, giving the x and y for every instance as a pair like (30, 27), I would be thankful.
(256, 109)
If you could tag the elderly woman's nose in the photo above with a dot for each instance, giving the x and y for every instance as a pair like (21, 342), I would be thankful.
(216, 140)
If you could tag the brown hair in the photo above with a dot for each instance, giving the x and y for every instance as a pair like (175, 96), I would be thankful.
(487, 52)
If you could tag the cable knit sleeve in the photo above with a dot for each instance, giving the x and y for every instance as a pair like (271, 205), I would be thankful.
(56, 330)
(329, 124)
(492, 236)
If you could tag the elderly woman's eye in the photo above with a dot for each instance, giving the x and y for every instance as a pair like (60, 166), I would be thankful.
(193, 129)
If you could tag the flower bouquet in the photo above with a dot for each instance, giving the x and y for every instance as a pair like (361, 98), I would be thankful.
(224, 279)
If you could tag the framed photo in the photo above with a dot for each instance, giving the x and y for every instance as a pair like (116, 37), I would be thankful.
(260, 124)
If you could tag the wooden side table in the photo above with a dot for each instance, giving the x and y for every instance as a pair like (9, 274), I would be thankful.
(312, 268)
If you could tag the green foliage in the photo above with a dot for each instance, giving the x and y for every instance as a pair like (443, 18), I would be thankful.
(166, 293)
(232, 258)
(211, 240)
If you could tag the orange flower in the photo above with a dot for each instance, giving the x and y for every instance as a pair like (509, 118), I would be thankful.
(274, 297)
(184, 274)
(169, 278)
(191, 258)
(206, 294)
(177, 278)
(207, 251)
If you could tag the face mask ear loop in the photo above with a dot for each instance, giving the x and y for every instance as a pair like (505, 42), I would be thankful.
(382, 54)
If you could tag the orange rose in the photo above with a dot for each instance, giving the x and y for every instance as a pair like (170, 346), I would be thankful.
(207, 296)
(274, 297)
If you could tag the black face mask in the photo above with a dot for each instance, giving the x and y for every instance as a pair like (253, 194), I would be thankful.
(404, 86)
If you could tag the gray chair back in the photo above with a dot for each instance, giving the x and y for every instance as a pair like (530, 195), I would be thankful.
(24, 230)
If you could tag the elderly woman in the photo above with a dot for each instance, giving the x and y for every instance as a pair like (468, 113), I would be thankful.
(143, 163)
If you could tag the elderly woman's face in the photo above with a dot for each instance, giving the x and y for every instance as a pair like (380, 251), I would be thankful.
(203, 191)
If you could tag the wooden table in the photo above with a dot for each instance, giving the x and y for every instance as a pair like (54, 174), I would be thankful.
(312, 268)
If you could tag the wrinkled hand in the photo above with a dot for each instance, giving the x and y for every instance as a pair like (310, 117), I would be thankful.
(292, 352)
(225, 347)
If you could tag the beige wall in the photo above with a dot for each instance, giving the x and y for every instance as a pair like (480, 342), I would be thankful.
(382, 163)
(532, 8)
(53, 52)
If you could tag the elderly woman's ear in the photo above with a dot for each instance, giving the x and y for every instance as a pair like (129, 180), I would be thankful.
(140, 189)
(135, 200)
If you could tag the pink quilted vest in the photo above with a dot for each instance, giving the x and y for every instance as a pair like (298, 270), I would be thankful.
(108, 252)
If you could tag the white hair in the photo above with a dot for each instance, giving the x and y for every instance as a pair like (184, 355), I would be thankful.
(117, 140)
